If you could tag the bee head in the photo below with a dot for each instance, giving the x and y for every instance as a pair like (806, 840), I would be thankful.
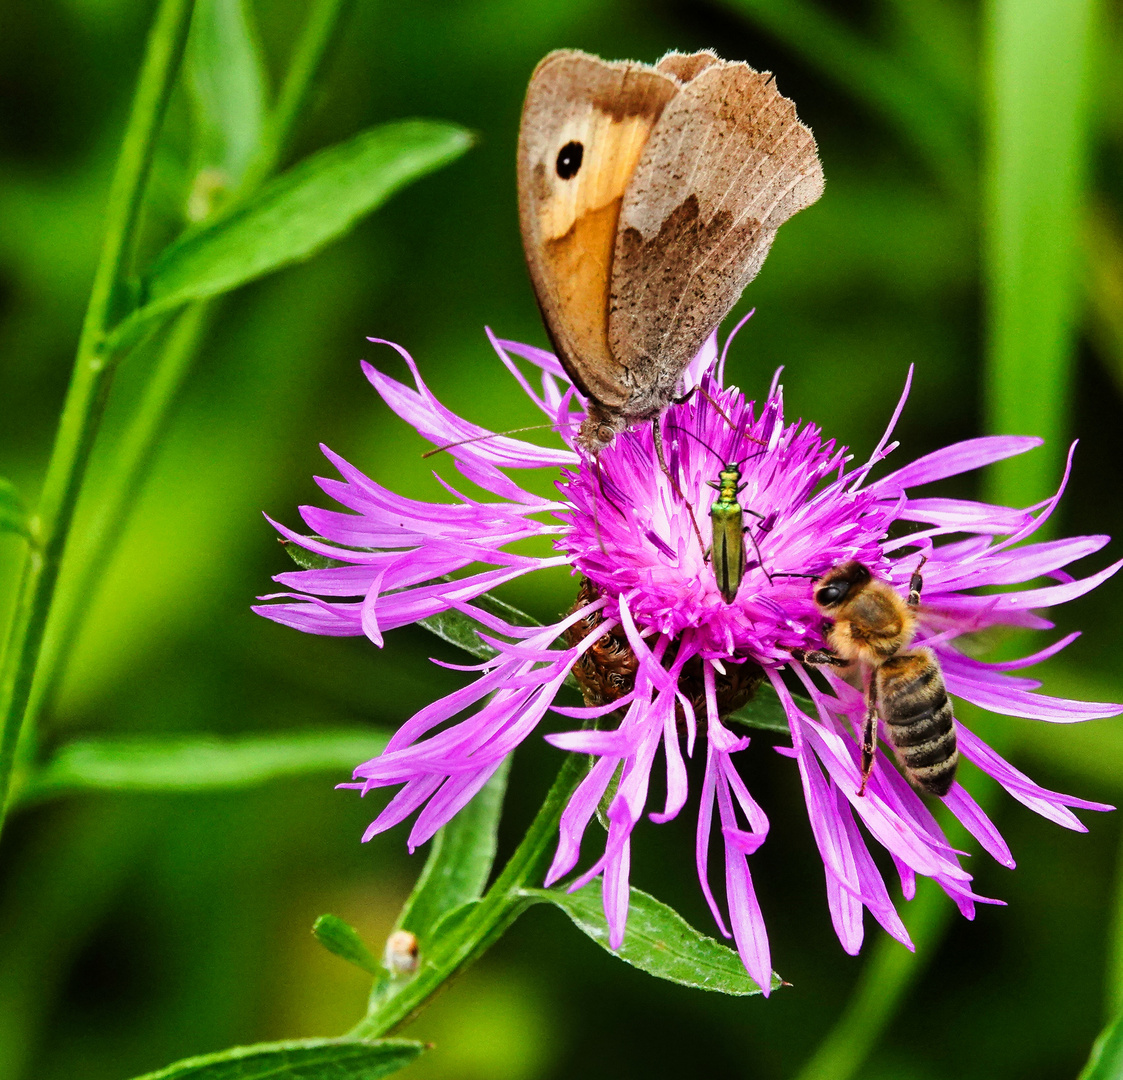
(836, 584)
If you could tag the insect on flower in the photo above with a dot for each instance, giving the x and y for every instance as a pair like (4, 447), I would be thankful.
(873, 627)
(665, 654)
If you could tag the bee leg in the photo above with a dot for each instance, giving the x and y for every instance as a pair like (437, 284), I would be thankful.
(869, 736)
(819, 657)
(916, 583)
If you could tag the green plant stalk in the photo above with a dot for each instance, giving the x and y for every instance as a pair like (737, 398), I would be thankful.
(177, 357)
(888, 975)
(1038, 133)
(89, 385)
(321, 30)
(487, 919)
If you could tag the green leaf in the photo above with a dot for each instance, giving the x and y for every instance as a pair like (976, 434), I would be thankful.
(658, 941)
(300, 212)
(309, 560)
(460, 630)
(300, 1059)
(460, 860)
(199, 764)
(463, 631)
(343, 939)
(1106, 1060)
(766, 712)
(227, 82)
(13, 513)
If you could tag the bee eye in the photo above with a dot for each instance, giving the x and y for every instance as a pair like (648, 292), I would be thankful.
(832, 594)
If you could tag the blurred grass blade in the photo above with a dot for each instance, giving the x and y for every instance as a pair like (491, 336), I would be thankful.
(1103, 239)
(1106, 1061)
(658, 941)
(199, 764)
(765, 712)
(300, 212)
(890, 971)
(906, 99)
(1037, 150)
(460, 861)
(13, 513)
(300, 1059)
(342, 939)
(227, 81)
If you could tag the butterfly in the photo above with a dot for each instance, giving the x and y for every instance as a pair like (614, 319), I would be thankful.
(648, 199)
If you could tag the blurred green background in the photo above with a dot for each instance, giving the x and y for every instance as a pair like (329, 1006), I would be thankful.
(136, 929)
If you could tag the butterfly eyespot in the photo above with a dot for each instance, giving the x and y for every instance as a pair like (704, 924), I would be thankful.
(569, 160)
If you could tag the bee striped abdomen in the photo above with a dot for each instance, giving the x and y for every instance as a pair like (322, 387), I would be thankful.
(914, 705)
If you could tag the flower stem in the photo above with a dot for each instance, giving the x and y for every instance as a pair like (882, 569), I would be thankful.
(887, 976)
(482, 922)
(89, 385)
(891, 971)
(321, 29)
(177, 356)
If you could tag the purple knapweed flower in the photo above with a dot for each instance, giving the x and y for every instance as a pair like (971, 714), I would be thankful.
(653, 641)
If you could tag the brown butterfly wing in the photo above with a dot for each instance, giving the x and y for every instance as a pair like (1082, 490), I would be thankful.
(727, 164)
(569, 222)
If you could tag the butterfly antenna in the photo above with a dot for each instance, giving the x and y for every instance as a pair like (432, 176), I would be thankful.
(480, 438)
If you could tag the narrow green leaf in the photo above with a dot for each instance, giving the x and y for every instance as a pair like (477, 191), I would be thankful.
(13, 513)
(1106, 1060)
(766, 712)
(919, 110)
(1039, 132)
(226, 78)
(199, 764)
(460, 860)
(300, 1059)
(343, 939)
(300, 212)
(658, 941)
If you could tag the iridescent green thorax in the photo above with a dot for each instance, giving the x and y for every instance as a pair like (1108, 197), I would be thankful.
(727, 551)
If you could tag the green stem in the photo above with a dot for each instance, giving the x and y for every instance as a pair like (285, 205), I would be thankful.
(89, 384)
(321, 29)
(137, 445)
(891, 971)
(885, 980)
(485, 920)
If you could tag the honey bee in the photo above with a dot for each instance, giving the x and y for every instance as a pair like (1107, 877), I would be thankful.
(873, 627)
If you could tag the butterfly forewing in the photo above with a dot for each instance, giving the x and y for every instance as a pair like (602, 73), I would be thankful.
(584, 127)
